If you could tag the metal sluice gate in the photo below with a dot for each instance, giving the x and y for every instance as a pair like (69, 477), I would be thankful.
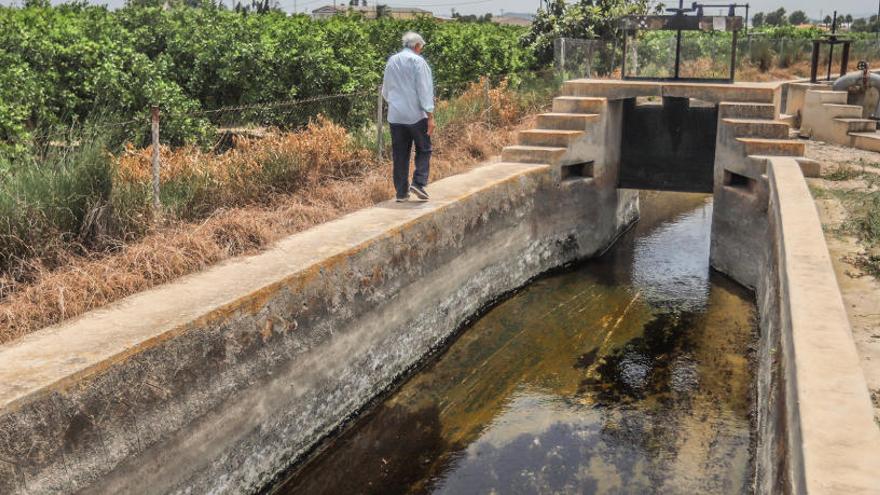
(685, 19)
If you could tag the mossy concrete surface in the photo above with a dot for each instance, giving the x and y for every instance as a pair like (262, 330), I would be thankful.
(217, 382)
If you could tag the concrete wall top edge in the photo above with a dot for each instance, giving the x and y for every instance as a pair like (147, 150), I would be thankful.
(712, 92)
(60, 355)
(840, 442)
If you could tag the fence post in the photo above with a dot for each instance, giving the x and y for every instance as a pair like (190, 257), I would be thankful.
(380, 126)
(635, 63)
(154, 121)
(562, 56)
(487, 83)
(591, 52)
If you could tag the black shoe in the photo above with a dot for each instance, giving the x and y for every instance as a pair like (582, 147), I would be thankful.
(403, 199)
(420, 192)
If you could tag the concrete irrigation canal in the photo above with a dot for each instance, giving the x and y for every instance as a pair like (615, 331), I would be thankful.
(706, 351)
(629, 374)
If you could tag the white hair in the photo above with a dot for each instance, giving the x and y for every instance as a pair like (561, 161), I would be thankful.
(411, 40)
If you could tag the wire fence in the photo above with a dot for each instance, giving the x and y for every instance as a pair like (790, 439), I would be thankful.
(702, 55)
(361, 113)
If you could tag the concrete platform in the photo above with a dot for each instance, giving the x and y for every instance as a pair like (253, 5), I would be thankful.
(753, 92)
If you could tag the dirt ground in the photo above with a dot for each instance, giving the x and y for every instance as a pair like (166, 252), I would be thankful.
(847, 175)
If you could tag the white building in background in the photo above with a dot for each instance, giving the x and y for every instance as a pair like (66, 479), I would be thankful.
(369, 12)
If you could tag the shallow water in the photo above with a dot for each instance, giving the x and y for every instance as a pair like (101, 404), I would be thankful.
(629, 374)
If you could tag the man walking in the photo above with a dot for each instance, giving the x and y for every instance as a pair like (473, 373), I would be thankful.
(409, 90)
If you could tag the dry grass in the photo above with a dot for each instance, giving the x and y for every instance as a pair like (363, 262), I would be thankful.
(251, 212)
(706, 67)
(254, 171)
(798, 70)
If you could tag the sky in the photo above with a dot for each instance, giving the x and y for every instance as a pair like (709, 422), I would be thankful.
(813, 8)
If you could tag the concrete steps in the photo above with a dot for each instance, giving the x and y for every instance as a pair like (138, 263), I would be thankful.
(836, 110)
(566, 121)
(578, 104)
(761, 128)
(855, 125)
(774, 147)
(826, 117)
(549, 155)
(866, 140)
(746, 110)
(744, 159)
(548, 137)
(557, 131)
(828, 96)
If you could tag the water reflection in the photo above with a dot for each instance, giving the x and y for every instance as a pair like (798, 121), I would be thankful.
(627, 375)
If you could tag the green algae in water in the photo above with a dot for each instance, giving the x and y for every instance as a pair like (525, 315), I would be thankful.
(629, 374)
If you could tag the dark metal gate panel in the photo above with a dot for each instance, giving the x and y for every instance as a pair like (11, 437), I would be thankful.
(669, 147)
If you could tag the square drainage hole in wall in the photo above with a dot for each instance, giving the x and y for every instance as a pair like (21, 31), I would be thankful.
(738, 181)
(577, 170)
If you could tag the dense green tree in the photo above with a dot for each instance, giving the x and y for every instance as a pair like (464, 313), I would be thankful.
(585, 19)
(758, 19)
(66, 64)
(472, 17)
(776, 18)
(827, 20)
(862, 25)
(798, 17)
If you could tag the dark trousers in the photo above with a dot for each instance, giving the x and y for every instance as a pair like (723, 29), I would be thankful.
(403, 136)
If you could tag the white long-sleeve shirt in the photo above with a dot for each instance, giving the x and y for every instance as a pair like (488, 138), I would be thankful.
(408, 87)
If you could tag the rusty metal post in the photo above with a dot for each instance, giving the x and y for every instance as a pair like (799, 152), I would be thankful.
(733, 57)
(154, 124)
(487, 85)
(814, 63)
(380, 126)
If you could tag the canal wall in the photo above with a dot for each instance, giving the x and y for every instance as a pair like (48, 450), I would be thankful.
(217, 382)
(815, 427)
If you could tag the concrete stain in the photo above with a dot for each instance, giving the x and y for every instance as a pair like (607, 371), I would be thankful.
(628, 374)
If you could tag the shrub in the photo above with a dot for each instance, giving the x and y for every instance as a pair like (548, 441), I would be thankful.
(58, 65)
(59, 195)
